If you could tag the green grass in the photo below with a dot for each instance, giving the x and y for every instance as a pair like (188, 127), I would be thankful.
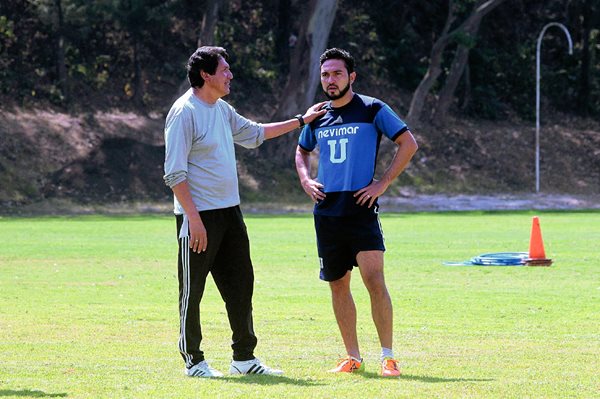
(88, 309)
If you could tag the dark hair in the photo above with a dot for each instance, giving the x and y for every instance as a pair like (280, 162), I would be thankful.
(205, 58)
(338, 54)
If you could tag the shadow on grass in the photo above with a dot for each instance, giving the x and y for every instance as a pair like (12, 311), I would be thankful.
(269, 380)
(31, 394)
(410, 377)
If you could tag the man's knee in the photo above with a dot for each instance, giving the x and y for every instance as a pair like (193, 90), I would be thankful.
(340, 286)
(375, 282)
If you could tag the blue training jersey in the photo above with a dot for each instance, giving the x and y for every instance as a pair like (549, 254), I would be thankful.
(348, 139)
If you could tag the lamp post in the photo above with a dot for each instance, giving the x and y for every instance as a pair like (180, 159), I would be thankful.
(537, 96)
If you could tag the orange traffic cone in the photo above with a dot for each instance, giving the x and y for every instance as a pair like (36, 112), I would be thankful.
(537, 255)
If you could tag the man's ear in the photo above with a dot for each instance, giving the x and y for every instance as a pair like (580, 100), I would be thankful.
(352, 77)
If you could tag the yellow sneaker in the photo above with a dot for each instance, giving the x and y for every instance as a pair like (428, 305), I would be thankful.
(389, 367)
(349, 365)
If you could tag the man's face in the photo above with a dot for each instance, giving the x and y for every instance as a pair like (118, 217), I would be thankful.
(221, 80)
(335, 80)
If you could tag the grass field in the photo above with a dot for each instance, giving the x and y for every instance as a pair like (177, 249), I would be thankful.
(88, 309)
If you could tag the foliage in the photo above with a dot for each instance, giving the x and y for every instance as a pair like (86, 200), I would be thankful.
(247, 32)
(392, 41)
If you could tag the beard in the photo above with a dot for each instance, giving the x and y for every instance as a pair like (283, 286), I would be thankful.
(339, 95)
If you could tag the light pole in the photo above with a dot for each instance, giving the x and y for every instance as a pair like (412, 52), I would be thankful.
(537, 96)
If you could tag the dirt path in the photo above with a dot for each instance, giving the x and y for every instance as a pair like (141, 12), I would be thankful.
(490, 202)
(415, 203)
(441, 202)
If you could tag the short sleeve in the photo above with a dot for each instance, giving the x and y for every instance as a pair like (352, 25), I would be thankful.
(389, 123)
(307, 139)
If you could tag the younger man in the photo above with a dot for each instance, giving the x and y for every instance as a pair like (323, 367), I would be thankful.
(345, 192)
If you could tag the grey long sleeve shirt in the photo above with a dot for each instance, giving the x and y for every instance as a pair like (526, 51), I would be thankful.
(199, 140)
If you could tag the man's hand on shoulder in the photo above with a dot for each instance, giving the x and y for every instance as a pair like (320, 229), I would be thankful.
(314, 112)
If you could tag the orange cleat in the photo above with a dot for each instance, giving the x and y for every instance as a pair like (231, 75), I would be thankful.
(389, 367)
(349, 365)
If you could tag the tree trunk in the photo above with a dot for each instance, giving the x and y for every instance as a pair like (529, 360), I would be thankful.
(467, 93)
(303, 79)
(433, 71)
(461, 57)
(583, 97)
(206, 36)
(282, 44)
(138, 80)
(61, 67)
(302, 82)
(482, 8)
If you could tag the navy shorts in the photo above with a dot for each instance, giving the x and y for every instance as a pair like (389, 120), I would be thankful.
(341, 238)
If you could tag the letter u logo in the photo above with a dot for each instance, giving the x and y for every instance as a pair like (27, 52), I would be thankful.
(332, 151)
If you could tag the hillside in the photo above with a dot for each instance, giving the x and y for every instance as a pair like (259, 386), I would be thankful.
(49, 158)
(84, 87)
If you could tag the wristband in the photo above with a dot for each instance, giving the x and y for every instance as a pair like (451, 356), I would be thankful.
(300, 119)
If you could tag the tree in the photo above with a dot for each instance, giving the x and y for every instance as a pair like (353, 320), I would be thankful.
(583, 99)
(301, 85)
(206, 35)
(60, 53)
(140, 19)
(461, 57)
(481, 8)
(134, 14)
(302, 80)
(282, 41)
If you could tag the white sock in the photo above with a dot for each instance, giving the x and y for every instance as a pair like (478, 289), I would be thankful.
(386, 352)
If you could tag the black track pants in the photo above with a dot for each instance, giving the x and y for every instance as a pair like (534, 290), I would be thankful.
(227, 258)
